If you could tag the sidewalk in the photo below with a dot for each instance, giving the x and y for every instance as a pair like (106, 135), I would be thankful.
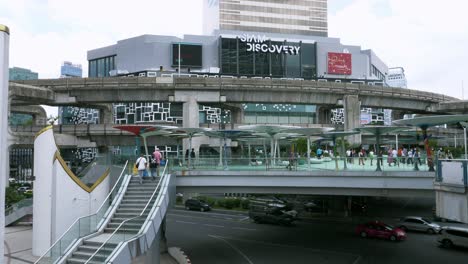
(18, 246)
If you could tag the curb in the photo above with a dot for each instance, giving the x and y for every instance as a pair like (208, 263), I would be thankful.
(179, 255)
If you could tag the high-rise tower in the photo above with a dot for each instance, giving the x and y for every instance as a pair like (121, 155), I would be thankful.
(301, 17)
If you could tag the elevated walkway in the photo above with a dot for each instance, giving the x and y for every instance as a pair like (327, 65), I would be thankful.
(350, 183)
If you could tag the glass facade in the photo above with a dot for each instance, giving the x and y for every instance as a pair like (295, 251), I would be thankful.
(17, 73)
(101, 67)
(301, 17)
(236, 58)
(279, 114)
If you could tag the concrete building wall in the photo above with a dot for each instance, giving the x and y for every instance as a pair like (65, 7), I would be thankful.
(359, 61)
(452, 205)
(150, 52)
(72, 202)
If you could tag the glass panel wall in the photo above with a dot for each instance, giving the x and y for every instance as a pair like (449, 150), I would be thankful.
(277, 59)
(101, 67)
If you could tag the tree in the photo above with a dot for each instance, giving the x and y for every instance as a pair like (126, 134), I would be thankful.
(51, 119)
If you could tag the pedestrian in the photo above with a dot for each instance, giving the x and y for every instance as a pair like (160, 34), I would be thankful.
(417, 156)
(192, 157)
(371, 156)
(449, 155)
(361, 157)
(186, 157)
(395, 157)
(410, 156)
(404, 154)
(390, 157)
(141, 164)
(348, 155)
(155, 163)
(319, 153)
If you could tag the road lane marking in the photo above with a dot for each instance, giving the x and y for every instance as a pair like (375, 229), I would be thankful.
(185, 222)
(245, 218)
(290, 246)
(233, 247)
(242, 228)
(214, 225)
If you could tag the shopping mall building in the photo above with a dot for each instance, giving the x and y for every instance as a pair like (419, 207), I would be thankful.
(245, 39)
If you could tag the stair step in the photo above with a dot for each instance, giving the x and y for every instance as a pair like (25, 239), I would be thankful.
(120, 220)
(127, 225)
(80, 261)
(129, 215)
(86, 255)
(126, 230)
(92, 249)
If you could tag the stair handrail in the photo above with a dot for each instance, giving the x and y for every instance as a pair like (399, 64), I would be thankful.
(78, 220)
(143, 229)
(129, 219)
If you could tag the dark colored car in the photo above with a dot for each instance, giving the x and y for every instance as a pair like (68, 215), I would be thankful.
(194, 204)
(380, 230)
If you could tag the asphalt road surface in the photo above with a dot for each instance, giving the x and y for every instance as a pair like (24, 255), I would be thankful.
(212, 237)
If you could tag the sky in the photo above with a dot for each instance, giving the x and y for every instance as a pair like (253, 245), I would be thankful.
(429, 38)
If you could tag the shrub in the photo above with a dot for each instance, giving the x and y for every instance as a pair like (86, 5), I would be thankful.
(236, 202)
(245, 204)
(221, 202)
(209, 200)
(179, 199)
(229, 203)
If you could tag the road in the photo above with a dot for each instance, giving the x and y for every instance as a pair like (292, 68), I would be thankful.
(212, 237)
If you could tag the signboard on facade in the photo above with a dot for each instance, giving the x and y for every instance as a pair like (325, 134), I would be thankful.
(339, 63)
(190, 55)
(366, 118)
(258, 43)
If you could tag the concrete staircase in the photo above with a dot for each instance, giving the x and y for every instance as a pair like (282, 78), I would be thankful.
(133, 202)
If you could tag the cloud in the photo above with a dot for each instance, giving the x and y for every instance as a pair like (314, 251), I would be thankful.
(45, 33)
(428, 39)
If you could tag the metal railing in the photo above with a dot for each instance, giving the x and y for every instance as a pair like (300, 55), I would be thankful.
(84, 226)
(120, 233)
(301, 164)
(18, 205)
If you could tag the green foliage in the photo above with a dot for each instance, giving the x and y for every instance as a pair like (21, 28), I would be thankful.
(179, 199)
(301, 144)
(245, 204)
(12, 196)
(229, 203)
(209, 200)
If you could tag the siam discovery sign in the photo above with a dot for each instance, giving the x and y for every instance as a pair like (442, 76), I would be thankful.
(259, 44)
(339, 63)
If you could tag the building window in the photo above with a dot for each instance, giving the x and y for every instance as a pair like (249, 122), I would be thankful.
(101, 67)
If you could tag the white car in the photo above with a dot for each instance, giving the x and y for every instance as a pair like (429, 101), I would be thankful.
(450, 236)
(417, 223)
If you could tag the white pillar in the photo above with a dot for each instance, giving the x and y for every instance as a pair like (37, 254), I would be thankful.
(4, 56)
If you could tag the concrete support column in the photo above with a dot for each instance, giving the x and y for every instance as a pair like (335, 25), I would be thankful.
(237, 117)
(106, 114)
(191, 119)
(323, 115)
(352, 117)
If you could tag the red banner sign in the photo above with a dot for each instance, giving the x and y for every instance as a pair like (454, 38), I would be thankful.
(339, 63)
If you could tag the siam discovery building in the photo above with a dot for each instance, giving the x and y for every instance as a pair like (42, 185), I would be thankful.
(244, 39)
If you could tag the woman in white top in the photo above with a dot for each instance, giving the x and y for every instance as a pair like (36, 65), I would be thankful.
(141, 166)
